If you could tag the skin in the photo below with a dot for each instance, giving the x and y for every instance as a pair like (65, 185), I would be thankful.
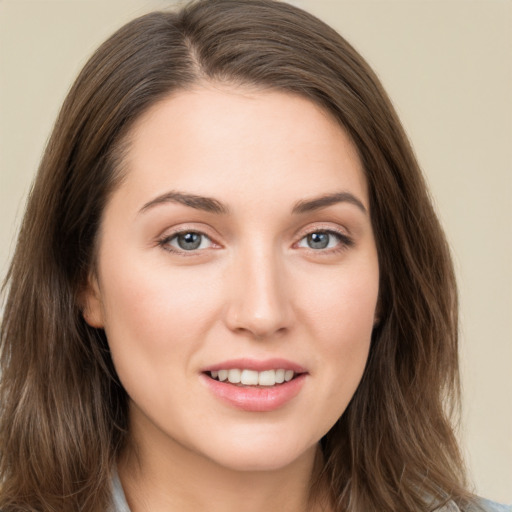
(255, 289)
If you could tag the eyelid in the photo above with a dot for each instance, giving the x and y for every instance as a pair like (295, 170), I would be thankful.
(323, 227)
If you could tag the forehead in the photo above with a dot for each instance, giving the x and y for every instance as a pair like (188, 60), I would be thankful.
(240, 141)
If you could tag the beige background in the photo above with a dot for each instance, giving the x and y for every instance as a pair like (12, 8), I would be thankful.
(448, 68)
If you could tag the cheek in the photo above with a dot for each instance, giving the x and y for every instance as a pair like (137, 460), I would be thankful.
(341, 318)
(151, 309)
(156, 321)
(343, 307)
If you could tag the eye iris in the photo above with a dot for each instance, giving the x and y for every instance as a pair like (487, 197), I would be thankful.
(318, 240)
(189, 241)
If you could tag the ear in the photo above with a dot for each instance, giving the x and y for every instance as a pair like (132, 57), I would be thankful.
(92, 306)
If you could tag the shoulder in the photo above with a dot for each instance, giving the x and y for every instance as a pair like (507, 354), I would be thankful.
(491, 506)
(481, 505)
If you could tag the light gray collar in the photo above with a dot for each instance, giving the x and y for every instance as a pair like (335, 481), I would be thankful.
(118, 498)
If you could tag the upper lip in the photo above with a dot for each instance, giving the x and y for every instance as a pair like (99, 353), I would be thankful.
(258, 365)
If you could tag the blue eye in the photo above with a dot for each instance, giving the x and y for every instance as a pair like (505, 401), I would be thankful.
(320, 240)
(188, 241)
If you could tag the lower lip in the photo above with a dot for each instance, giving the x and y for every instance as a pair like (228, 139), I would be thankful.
(256, 399)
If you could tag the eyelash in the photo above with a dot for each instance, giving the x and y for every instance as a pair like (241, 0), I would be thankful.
(345, 242)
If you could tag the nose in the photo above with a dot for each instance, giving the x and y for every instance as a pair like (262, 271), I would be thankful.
(260, 302)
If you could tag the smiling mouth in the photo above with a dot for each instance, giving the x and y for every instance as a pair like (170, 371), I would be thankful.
(253, 378)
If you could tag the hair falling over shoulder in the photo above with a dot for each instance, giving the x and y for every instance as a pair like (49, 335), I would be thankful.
(63, 411)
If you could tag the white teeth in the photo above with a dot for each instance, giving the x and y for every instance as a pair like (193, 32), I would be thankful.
(252, 377)
(279, 376)
(267, 378)
(234, 376)
(249, 378)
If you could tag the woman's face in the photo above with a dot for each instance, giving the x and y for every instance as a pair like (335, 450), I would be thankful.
(238, 246)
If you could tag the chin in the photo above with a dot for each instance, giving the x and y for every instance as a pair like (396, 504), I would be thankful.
(255, 456)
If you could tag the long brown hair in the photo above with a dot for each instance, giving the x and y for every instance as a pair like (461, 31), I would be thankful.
(63, 411)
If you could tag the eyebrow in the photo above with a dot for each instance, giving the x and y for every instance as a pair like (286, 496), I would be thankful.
(207, 204)
(211, 205)
(328, 200)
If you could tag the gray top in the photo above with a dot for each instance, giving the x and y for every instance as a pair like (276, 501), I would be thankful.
(120, 505)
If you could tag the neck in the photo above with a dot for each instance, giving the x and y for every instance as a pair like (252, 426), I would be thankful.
(160, 475)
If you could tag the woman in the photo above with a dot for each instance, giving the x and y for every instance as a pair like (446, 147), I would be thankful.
(230, 288)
